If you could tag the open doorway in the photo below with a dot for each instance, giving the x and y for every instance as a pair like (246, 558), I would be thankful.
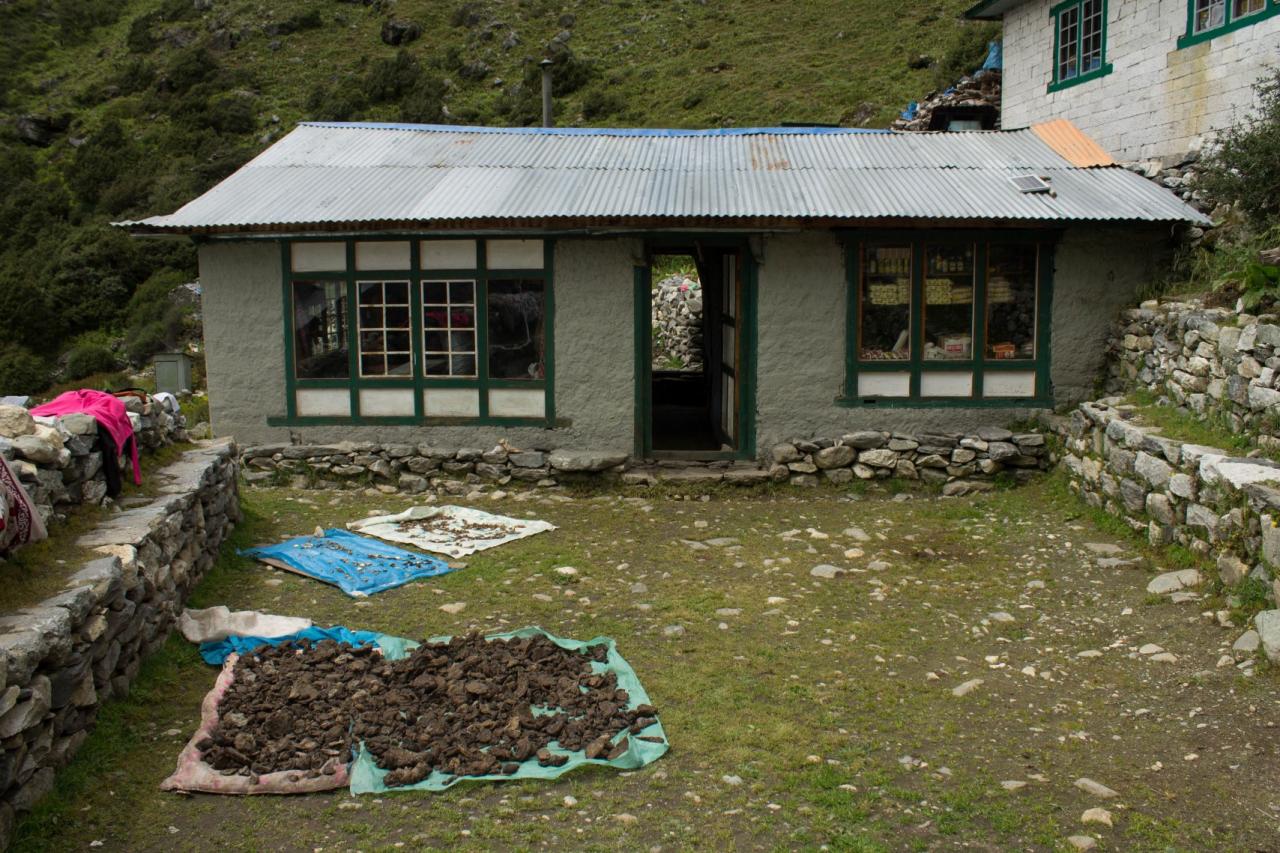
(694, 358)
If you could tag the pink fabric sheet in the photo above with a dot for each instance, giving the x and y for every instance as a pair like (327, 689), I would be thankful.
(106, 409)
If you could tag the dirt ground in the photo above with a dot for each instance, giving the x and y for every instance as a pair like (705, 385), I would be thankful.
(803, 712)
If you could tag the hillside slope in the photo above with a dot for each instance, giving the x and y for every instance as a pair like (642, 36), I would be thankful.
(119, 108)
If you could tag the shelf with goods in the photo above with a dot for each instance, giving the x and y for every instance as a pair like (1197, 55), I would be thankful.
(885, 304)
(1011, 303)
(948, 303)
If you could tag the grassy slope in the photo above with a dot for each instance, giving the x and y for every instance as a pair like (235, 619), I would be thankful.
(680, 64)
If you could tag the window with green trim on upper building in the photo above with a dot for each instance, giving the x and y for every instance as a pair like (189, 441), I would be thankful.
(1079, 42)
(411, 330)
(1207, 19)
(947, 316)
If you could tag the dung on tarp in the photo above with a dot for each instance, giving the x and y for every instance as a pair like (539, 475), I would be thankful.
(357, 565)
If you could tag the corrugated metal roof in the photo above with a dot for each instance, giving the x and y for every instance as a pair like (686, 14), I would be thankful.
(327, 175)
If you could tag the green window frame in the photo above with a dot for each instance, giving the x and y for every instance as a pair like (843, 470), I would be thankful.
(1208, 19)
(364, 326)
(920, 363)
(1079, 42)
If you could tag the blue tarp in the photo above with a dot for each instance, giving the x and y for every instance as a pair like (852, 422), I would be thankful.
(357, 565)
(995, 57)
(216, 651)
(910, 112)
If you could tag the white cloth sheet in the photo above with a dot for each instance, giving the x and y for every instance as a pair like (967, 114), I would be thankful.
(454, 531)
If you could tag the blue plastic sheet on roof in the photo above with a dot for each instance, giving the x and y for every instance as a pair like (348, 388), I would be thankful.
(995, 57)
(910, 112)
(357, 565)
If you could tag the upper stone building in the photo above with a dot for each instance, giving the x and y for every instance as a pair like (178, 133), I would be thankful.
(1147, 79)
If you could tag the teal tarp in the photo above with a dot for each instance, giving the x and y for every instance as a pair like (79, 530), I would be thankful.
(366, 776)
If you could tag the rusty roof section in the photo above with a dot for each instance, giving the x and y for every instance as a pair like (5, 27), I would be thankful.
(1071, 143)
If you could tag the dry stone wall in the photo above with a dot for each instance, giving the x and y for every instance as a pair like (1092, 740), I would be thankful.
(1221, 506)
(958, 462)
(62, 659)
(1210, 361)
(59, 460)
(677, 324)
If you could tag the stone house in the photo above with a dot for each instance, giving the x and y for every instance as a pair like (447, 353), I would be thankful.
(1148, 79)
(458, 286)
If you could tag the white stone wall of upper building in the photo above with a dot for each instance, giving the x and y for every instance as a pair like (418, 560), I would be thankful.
(1159, 101)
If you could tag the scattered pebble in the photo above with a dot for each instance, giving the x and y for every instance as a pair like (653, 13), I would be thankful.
(966, 688)
(1096, 815)
(1097, 789)
(454, 608)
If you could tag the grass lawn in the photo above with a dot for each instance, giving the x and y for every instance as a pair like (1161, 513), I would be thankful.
(805, 713)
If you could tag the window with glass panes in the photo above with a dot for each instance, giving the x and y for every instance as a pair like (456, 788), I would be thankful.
(948, 316)
(1080, 28)
(1209, 18)
(406, 331)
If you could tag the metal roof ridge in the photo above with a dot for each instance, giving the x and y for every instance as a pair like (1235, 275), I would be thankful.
(599, 131)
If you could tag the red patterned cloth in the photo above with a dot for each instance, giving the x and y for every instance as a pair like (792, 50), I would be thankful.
(19, 521)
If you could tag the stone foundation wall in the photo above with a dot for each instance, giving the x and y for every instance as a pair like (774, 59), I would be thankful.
(59, 460)
(1222, 507)
(959, 462)
(1210, 361)
(63, 658)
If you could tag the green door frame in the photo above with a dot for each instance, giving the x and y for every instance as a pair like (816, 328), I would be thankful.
(642, 309)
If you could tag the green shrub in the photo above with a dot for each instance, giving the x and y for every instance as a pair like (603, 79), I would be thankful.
(87, 359)
(21, 371)
(966, 53)
(1244, 164)
(142, 342)
(139, 38)
(600, 103)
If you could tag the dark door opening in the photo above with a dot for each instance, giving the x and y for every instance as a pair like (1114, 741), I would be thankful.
(694, 328)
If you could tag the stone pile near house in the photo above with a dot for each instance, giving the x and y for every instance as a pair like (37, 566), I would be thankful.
(973, 90)
(960, 462)
(63, 658)
(677, 324)
(1210, 361)
(417, 468)
(59, 460)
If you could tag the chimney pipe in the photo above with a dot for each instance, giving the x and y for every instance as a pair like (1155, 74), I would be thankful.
(546, 92)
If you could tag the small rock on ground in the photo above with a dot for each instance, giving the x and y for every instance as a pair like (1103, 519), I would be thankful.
(1096, 815)
(1098, 789)
(966, 688)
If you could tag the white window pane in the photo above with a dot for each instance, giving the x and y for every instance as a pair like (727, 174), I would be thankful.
(383, 402)
(949, 383)
(382, 255)
(1002, 384)
(451, 402)
(448, 254)
(514, 254)
(323, 402)
(517, 403)
(884, 384)
(319, 257)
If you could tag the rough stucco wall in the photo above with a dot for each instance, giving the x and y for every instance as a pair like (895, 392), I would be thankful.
(1097, 272)
(594, 353)
(244, 344)
(1158, 101)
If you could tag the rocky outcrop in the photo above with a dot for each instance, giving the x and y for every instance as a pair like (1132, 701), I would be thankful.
(62, 659)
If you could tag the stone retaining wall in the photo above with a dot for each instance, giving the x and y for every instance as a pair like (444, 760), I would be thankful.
(66, 656)
(959, 462)
(1209, 361)
(1222, 507)
(59, 460)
